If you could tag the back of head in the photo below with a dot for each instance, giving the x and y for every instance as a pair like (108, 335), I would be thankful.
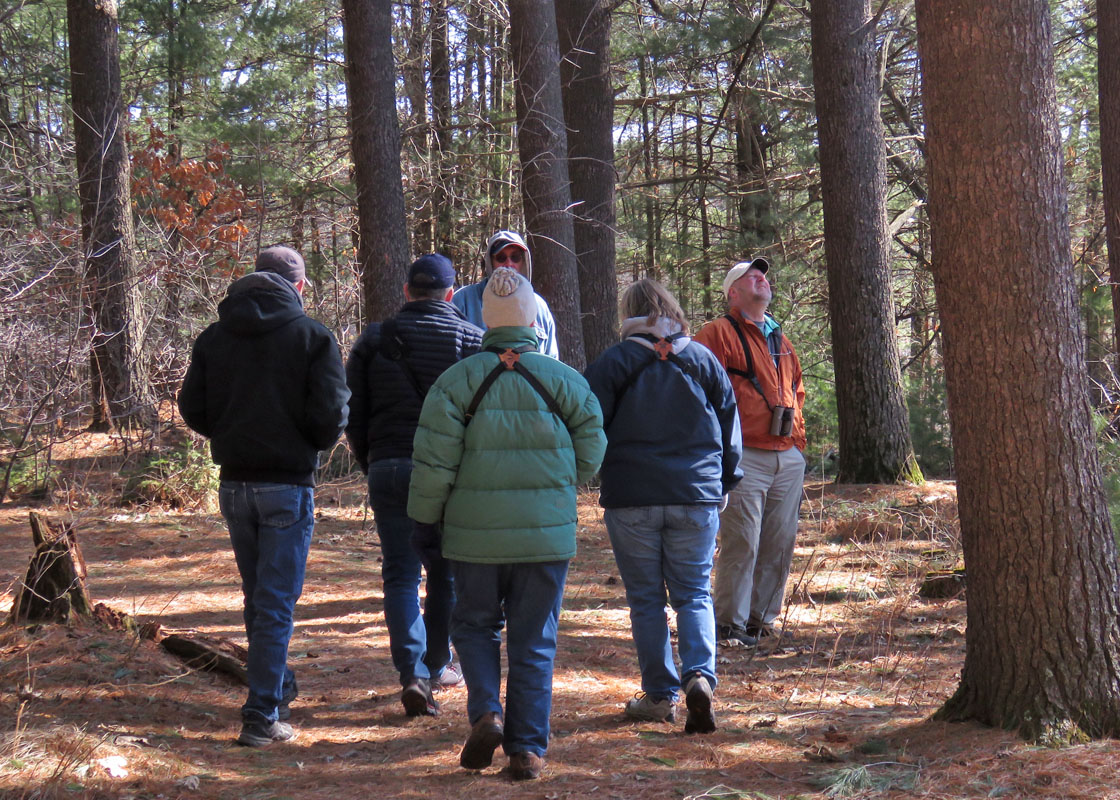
(500, 240)
(647, 298)
(430, 276)
(508, 300)
(284, 261)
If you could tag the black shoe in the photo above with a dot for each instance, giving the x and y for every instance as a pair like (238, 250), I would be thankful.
(256, 731)
(733, 633)
(698, 701)
(417, 699)
(283, 711)
(486, 735)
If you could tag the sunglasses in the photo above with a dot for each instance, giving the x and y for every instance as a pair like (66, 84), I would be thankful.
(512, 257)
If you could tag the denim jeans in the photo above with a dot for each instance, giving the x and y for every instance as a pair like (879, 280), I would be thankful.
(270, 528)
(526, 598)
(668, 547)
(419, 645)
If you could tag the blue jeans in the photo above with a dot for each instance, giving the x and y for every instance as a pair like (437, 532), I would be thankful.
(270, 528)
(419, 645)
(668, 547)
(526, 598)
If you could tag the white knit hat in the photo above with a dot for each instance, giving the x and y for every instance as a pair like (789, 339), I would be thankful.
(508, 300)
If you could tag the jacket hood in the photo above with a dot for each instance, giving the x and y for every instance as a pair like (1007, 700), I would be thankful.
(662, 328)
(258, 303)
(512, 238)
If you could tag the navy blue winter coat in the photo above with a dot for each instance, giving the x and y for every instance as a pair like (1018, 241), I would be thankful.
(672, 438)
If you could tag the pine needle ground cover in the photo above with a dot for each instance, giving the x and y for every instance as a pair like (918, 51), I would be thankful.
(838, 706)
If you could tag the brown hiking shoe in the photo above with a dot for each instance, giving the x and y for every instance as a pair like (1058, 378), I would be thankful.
(486, 735)
(525, 766)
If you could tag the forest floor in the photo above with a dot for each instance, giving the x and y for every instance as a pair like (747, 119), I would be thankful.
(839, 706)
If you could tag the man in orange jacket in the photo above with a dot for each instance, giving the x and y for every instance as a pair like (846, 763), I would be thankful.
(758, 527)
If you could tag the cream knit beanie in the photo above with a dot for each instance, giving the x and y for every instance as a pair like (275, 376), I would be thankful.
(508, 300)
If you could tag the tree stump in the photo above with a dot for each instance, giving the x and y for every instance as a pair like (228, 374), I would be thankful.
(55, 587)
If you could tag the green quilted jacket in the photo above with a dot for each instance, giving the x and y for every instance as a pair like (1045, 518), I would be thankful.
(504, 486)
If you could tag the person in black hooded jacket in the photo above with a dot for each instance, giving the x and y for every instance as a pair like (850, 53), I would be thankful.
(266, 385)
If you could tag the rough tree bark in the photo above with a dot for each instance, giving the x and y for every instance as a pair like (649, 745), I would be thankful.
(542, 143)
(585, 30)
(875, 444)
(54, 589)
(120, 387)
(383, 250)
(1043, 641)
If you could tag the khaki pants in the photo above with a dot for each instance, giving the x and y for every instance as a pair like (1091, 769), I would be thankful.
(757, 532)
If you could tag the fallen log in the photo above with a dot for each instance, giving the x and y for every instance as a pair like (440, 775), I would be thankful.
(203, 652)
(54, 589)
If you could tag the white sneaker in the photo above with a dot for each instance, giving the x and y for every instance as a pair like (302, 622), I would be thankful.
(648, 709)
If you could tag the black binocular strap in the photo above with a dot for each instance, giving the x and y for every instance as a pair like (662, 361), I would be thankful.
(750, 374)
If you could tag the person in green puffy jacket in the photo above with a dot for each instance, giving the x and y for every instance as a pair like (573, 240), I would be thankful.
(495, 471)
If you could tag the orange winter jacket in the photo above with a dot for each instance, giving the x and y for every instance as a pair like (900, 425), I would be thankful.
(777, 384)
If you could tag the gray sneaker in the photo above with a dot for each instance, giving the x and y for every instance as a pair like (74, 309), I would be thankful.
(651, 709)
(258, 732)
(451, 675)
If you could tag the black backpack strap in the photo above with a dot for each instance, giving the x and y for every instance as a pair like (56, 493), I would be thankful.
(662, 351)
(749, 374)
(395, 348)
(509, 359)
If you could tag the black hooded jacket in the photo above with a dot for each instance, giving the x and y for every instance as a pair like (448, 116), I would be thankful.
(266, 385)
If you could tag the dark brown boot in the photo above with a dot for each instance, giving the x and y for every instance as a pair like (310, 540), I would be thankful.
(486, 735)
(525, 766)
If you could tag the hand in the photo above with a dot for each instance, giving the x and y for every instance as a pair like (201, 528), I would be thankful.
(426, 540)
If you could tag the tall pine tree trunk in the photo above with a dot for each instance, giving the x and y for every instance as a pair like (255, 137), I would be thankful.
(383, 251)
(1043, 640)
(875, 442)
(120, 388)
(542, 143)
(584, 29)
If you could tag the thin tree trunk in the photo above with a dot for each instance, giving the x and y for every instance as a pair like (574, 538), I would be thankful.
(875, 442)
(1043, 640)
(1108, 86)
(584, 28)
(542, 142)
(383, 252)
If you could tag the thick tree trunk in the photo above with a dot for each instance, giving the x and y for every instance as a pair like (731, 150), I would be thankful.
(120, 388)
(875, 442)
(584, 29)
(1108, 79)
(542, 143)
(1043, 641)
(383, 252)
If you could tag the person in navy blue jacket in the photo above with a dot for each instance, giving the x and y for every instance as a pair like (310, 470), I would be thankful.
(673, 450)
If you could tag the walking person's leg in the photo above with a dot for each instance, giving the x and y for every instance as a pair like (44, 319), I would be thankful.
(689, 544)
(636, 538)
(533, 597)
(476, 629)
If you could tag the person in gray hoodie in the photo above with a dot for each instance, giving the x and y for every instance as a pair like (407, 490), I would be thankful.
(508, 249)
